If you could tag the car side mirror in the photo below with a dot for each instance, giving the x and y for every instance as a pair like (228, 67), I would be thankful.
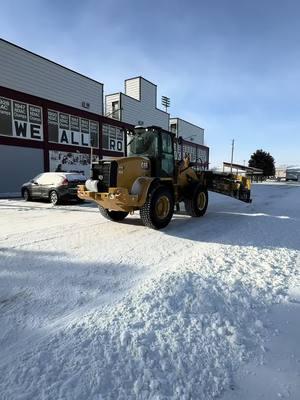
(34, 182)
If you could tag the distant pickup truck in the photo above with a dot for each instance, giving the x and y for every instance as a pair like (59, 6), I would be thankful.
(293, 174)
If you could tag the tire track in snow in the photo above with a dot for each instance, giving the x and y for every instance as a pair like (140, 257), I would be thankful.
(42, 333)
(123, 340)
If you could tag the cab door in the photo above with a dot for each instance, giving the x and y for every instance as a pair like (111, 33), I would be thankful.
(167, 154)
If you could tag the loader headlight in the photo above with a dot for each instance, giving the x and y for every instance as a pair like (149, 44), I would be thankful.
(145, 165)
(111, 196)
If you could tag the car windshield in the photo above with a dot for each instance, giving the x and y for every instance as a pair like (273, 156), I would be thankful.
(143, 144)
(36, 178)
(75, 177)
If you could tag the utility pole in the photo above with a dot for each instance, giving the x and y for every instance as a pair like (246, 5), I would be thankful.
(232, 149)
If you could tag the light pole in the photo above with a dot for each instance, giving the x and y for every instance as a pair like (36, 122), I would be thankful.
(165, 101)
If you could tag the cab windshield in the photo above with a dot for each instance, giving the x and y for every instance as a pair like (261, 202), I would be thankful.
(143, 144)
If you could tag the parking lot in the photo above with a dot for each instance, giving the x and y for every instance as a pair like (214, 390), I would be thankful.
(81, 296)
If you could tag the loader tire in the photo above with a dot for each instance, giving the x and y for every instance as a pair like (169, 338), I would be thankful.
(197, 203)
(116, 216)
(158, 209)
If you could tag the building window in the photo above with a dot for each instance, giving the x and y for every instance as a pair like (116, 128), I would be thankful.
(72, 130)
(113, 138)
(174, 128)
(20, 120)
(191, 151)
(115, 108)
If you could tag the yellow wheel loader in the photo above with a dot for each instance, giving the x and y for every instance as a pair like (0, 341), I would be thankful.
(151, 181)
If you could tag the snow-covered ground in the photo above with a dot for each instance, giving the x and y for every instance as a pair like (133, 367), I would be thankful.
(207, 308)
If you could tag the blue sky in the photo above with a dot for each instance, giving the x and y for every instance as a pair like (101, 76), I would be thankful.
(230, 66)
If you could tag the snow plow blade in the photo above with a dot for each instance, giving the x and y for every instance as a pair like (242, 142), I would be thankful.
(232, 185)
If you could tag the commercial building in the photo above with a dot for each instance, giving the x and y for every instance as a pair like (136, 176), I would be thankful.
(187, 130)
(51, 118)
(137, 106)
(192, 143)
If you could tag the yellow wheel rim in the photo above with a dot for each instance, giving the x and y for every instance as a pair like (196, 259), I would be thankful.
(162, 207)
(201, 201)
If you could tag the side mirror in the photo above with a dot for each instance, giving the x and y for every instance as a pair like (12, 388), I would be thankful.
(34, 182)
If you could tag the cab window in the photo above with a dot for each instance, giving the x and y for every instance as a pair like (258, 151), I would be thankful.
(166, 143)
(167, 164)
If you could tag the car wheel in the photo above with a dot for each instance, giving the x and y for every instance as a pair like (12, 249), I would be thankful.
(53, 196)
(26, 195)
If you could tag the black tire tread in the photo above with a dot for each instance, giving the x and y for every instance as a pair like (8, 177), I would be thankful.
(111, 215)
(190, 206)
(146, 210)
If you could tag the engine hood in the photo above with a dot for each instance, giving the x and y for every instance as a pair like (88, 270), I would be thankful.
(131, 168)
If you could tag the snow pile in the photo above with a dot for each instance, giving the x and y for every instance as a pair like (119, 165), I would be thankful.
(95, 310)
(181, 335)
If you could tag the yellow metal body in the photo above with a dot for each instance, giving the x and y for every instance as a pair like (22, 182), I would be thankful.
(131, 168)
(117, 199)
(134, 180)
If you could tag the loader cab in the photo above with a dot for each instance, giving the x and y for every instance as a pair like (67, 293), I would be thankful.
(156, 144)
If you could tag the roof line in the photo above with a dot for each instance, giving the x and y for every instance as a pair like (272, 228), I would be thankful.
(133, 98)
(113, 94)
(53, 62)
(197, 126)
(140, 77)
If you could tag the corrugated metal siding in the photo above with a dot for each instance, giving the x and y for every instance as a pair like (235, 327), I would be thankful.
(134, 112)
(19, 165)
(109, 99)
(132, 88)
(148, 91)
(139, 112)
(187, 130)
(29, 73)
